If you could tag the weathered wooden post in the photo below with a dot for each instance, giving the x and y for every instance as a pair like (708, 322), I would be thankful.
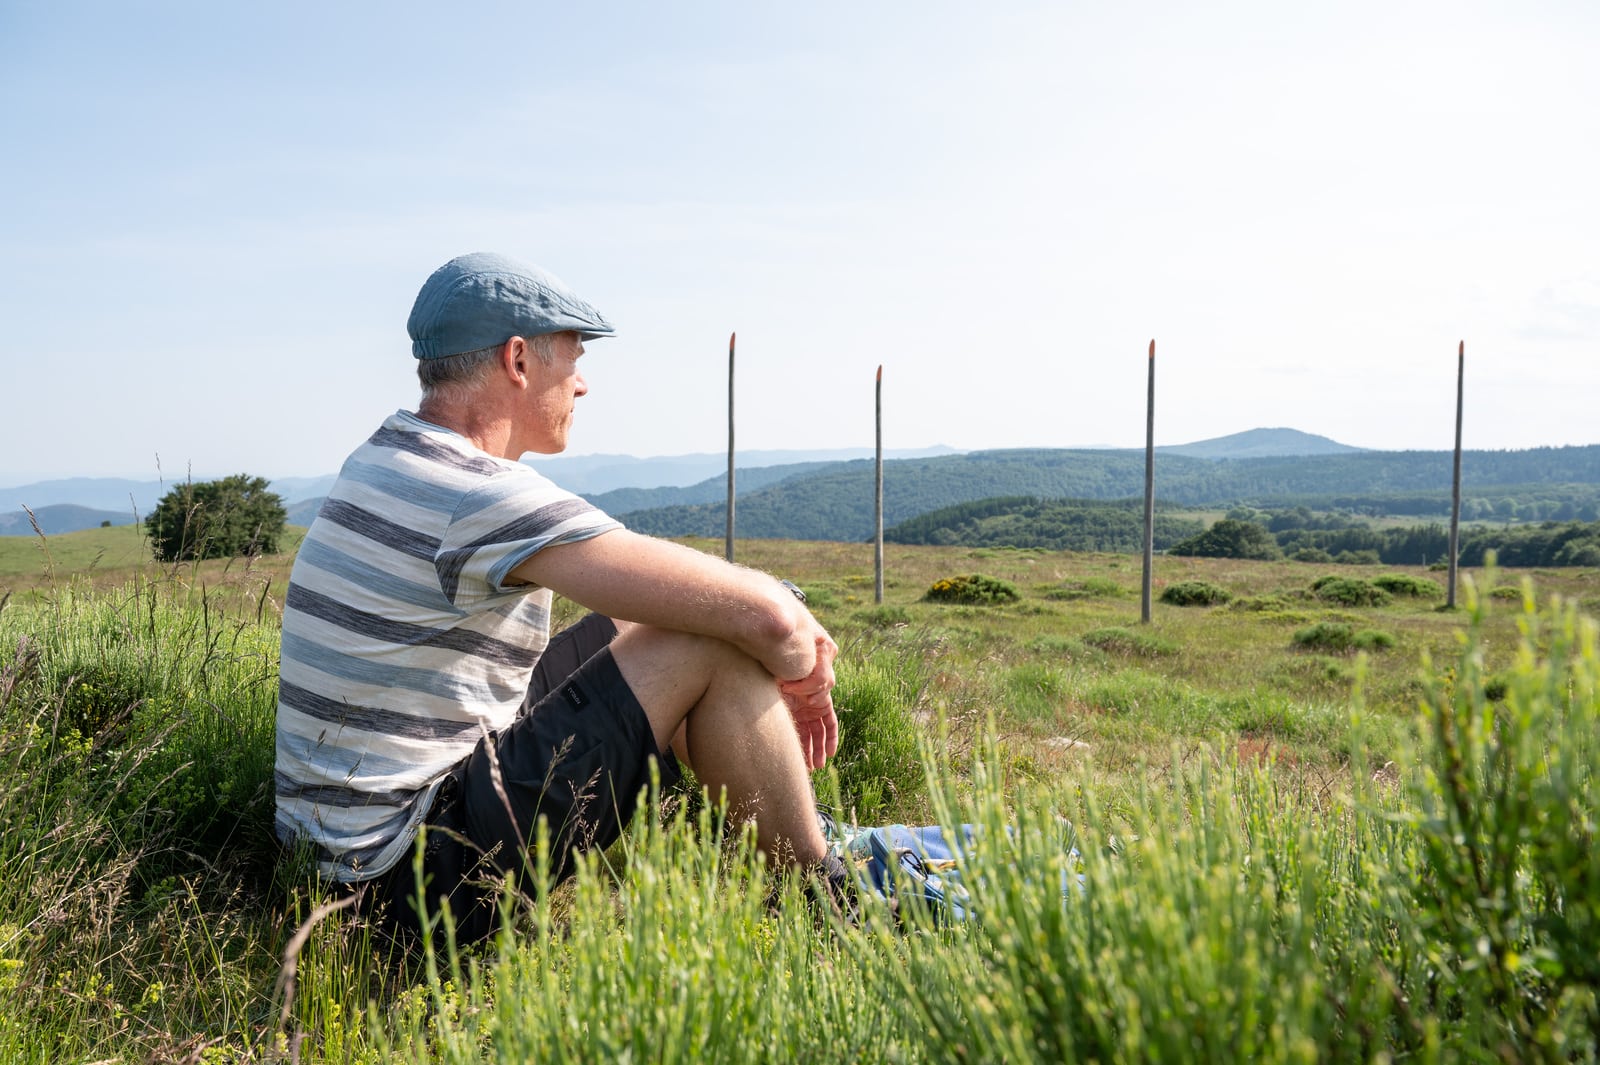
(729, 542)
(1455, 479)
(1149, 491)
(877, 494)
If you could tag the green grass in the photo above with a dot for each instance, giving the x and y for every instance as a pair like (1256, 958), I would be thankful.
(117, 548)
(1271, 837)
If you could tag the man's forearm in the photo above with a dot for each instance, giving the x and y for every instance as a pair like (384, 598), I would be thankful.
(657, 582)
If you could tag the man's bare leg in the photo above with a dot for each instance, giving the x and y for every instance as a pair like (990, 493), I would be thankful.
(731, 726)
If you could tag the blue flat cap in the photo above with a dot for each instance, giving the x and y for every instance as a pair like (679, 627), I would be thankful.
(482, 299)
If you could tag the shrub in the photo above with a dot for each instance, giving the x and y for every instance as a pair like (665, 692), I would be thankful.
(1405, 584)
(1118, 640)
(1373, 640)
(1087, 588)
(1312, 554)
(1504, 813)
(1339, 636)
(1259, 603)
(1195, 593)
(820, 598)
(878, 768)
(1349, 591)
(1364, 557)
(884, 617)
(1326, 636)
(217, 519)
(1229, 538)
(973, 590)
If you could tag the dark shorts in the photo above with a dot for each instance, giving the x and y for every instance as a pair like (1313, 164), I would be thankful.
(577, 757)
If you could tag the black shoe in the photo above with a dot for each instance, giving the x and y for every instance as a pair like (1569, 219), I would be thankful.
(833, 886)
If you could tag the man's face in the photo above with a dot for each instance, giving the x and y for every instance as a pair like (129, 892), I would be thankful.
(553, 389)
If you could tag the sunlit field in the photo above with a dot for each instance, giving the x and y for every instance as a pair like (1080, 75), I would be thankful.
(1307, 828)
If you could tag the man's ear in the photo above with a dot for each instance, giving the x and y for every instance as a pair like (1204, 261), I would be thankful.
(514, 360)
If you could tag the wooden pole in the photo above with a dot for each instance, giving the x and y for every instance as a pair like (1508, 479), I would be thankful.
(729, 543)
(877, 494)
(1149, 491)
(1455, 479)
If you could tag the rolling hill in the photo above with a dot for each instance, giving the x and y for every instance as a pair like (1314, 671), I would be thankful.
(836, 503)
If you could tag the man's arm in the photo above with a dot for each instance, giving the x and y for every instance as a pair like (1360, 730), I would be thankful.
(656, 582)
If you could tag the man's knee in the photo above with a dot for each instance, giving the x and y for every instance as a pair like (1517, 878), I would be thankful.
(671, 673)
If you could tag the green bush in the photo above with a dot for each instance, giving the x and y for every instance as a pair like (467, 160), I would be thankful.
(1374, 640)
(1505, 815)
(1405, 584)
(1348, 591)
(1325, 636)
(879, 771)
(972, 590)
(821, 598)
(883, 617)
(1339, 636)
(216, 519)
(1312, 554)
(1117, 640)
(1259, 603)
(1088, 588)
(1229, 538)
(1195, 593)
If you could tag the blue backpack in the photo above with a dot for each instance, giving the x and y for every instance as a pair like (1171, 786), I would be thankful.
(921, 861)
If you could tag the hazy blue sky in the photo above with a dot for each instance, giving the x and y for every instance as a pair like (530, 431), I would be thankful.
(216, 217)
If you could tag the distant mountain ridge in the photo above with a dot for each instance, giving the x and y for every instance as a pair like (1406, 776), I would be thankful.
(820, 495)
(59, 518)
(836, 503)
(1261, 443)
(123, 496)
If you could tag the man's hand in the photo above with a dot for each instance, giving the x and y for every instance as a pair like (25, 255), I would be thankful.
(810, 702)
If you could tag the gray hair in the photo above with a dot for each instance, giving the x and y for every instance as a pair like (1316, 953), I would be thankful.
(453, 376)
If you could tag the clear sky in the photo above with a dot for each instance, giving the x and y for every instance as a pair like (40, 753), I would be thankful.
(216, 217)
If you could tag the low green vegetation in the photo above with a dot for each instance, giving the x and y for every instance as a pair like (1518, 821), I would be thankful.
(216, 519)
(1408, 584)
(973, 589)
(1247, 830)
(1339, 637)
(1195, 593)
(1230, 538)
(1086, 588)
(1349, 591)
(1120, 640)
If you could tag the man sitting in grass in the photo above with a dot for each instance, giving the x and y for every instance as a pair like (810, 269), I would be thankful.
(420, 684)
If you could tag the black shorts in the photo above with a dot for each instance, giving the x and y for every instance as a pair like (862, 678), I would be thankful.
(577, 756)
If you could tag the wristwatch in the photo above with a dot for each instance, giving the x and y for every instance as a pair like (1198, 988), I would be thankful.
(795, 588)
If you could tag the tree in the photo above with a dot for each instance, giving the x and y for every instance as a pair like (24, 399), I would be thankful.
(1230, 538)
(217, 519)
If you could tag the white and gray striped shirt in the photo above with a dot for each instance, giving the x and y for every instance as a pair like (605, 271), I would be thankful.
(402, 643)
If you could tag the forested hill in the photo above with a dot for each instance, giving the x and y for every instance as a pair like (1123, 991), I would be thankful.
(711, 490)
(835, 502)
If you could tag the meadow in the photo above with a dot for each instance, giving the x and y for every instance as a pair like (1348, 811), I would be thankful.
(1311, 821)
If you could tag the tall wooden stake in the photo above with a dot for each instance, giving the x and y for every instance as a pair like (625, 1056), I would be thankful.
(1455, 479)
(729, 544)
(1149, 491)
(877, 495)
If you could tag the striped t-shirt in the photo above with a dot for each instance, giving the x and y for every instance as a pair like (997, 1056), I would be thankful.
(402, 642)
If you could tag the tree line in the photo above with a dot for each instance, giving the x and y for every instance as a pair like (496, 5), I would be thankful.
(1308, 537)
(835, 502)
